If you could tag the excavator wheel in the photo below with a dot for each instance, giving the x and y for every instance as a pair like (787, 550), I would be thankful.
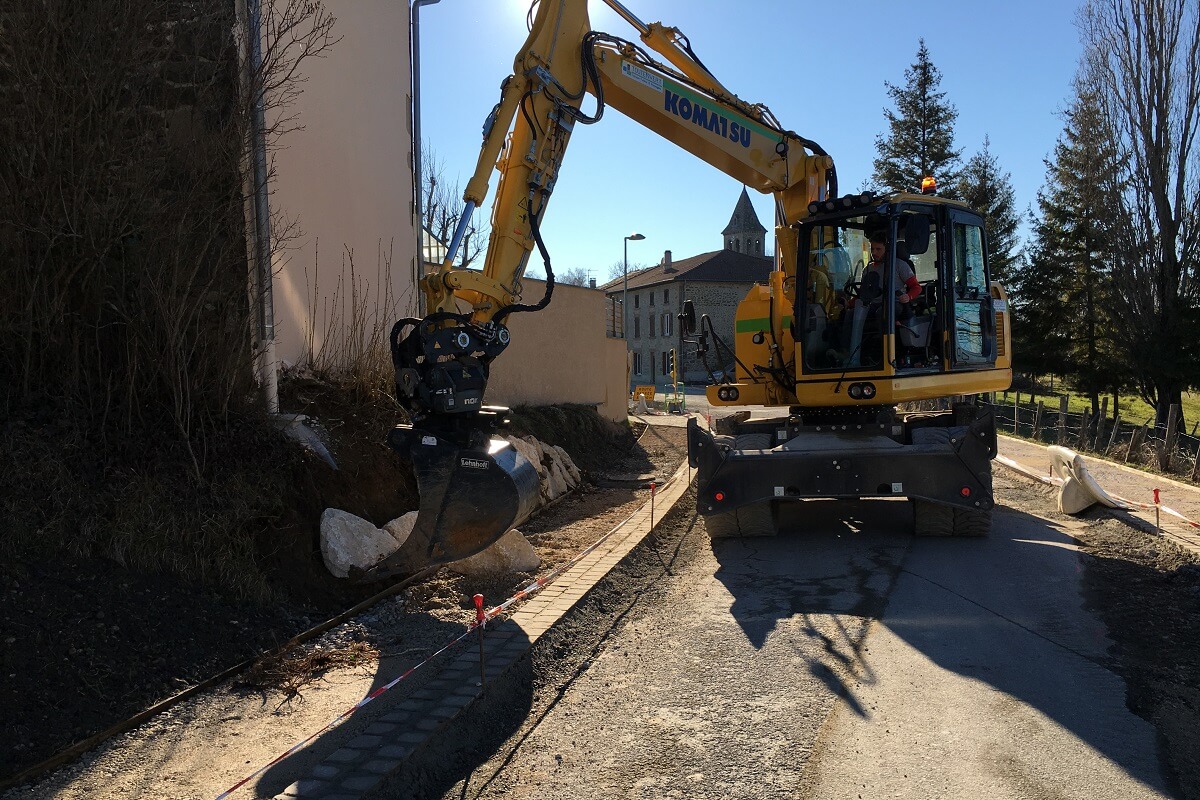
(752, 520)
(935, 519)
(973, 523)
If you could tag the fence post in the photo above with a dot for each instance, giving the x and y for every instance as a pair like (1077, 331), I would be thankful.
(1100, 423)
(1037, 421)
(1083, 428)
(1170, 436)
(1112, 439)
(1196, 466)
(1135, 441)
(1016, 413)
(1062, 419)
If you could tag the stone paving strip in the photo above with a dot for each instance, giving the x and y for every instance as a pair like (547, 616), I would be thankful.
(361, 765)
(1132, 484)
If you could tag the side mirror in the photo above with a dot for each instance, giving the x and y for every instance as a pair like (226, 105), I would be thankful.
(916, 234)
(688, 318)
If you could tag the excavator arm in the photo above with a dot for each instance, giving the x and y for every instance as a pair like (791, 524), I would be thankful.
(473, 486)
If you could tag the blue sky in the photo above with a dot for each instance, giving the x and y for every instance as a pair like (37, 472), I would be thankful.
(820, 66)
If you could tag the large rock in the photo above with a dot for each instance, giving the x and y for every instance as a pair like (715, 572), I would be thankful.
(350, 541)
(510, 553)
(557, 473)
(574, 475)
(401, 527)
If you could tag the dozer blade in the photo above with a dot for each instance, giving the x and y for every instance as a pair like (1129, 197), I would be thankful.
(470, 497)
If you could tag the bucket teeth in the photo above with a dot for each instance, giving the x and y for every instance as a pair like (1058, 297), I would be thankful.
(470, 497)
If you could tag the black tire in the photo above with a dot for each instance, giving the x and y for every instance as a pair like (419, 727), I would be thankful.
(724, 442)
(757, 519)
(972, 523)
(931, 436)
(932, 519)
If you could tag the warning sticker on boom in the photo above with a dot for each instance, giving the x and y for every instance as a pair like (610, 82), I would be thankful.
(642, 76)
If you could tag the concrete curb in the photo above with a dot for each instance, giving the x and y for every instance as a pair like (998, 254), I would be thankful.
(370, 762)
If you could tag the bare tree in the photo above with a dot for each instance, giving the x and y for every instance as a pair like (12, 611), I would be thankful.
(576, 276)
(1144, 59)
(617, 270)
(441, 207)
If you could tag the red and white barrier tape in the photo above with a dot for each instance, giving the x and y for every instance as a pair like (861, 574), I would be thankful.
(481, 621)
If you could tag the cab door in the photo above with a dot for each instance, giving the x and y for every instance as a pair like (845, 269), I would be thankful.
(972, 342)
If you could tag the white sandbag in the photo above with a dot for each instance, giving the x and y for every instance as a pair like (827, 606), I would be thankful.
(1079, 490)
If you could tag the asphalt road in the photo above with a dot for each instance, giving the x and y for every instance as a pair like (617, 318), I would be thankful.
(844, 659)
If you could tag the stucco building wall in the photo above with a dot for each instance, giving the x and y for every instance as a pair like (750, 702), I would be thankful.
(561, 355)
(345, 182)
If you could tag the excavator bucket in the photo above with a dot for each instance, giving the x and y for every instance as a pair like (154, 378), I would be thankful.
(470, 496)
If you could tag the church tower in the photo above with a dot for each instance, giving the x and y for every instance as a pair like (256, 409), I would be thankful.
(744, 233)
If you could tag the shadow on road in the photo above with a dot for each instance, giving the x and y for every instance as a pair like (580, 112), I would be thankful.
(1007, 610)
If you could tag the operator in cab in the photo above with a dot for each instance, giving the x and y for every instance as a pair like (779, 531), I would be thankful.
(904, 276)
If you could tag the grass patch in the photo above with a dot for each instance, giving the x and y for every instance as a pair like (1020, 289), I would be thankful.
(1133, 408)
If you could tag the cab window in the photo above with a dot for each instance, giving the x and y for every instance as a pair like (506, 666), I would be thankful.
(971, 299)
(833, 259)
(970, 278)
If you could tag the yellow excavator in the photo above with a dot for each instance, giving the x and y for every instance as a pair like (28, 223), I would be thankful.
(822, 341)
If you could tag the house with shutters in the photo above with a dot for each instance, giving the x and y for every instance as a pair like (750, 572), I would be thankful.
(715, 282)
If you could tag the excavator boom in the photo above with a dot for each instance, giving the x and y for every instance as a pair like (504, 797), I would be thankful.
(793, 349)
(473, 485)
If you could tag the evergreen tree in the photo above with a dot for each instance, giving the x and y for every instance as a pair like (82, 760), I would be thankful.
(1038, 294)
(920, 138)
(1066, 296)
(989, 191)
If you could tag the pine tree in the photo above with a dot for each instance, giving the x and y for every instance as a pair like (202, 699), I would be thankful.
(1065, 293)
(989, 191)
(920, 138)
(1038, 298)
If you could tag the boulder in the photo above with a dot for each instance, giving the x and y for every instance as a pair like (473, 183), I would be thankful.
(557, 473)
(510, 553)
(350, 541)
(401, 527)
(574, 476)
(556, 478)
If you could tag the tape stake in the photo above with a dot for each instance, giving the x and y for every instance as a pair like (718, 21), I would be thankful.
(1156, 500)
(480, 622)
(652, 491)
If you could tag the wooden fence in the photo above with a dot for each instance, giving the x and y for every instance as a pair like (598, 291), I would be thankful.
(1170, 449)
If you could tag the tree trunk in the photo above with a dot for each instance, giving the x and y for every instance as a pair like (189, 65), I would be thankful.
(1062, 420)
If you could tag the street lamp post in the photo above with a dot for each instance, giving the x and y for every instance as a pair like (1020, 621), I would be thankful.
(633, 237)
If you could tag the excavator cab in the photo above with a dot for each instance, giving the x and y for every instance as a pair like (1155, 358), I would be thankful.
(934, 313)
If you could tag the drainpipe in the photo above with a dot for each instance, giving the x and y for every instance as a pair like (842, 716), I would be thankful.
(419, 263)
(261, 230)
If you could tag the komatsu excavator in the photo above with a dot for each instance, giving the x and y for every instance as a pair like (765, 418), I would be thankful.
(818, 341)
